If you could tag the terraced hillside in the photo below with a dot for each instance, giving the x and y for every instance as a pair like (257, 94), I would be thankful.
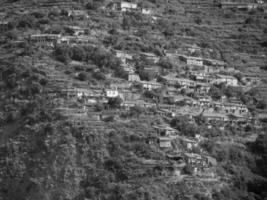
(147, 100)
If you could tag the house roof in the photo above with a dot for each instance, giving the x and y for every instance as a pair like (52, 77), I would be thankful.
(150, 83)
(214, 115)
(164, 138)
(148, 54)
(225, 76)
(193, 155)
(166, 127)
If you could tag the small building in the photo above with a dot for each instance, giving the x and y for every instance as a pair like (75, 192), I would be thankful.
(128, 95)
(146, 11)
(3, 26)
(128, 6)
(165, 131)
(141, 103)
(80, 14)
(123, 6)
(112, 93)
(128, 68)
(202, 88)
(133, 77)
(213, 62)
(165, 142)
(188, 143)
(205, 101)
(186, 83)
(198, 75)
(153, 69)
(196, 161)
(125, 57)
(150, 57)
(150, 85)
(76, 30)
(215, 117)
(45, 39)
(193, 61)
(228, 80)
(231, 108)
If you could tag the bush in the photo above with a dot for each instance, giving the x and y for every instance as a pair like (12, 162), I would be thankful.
(115, 102)
(26, 21)
(215, 93)
(99, 76)
(166, 63)
(181, 124)
(82, 76)
(78, 54)
(62, 53)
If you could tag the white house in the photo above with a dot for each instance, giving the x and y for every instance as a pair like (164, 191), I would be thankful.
(165, 142)
(149, 85)
(146, 11)
(112, 93)
(228, 80)
(194, 61)
(128, 6)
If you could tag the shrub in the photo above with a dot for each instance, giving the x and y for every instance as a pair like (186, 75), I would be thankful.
(78, 54)
(82, 76)
(181, 124)
(26, 21)
(115, 102)
(62, 53)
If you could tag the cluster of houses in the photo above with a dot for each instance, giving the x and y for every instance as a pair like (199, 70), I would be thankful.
(198, 83)
(125, 6)
(251, 4)
(200, 163)
(182, 93)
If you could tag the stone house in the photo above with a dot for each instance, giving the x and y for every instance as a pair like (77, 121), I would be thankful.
(3, 26)
(231, 108)
(205, 101)
(164, 142)
(197, 162)
(202, 88)
(125, 57)
(141, 103)
(132, 77)
(214, 117)
(80, 14)
(193, 61)
(213, 62)
(150, 85)
(45, 39)
(128, 95)
(123, 6)
(150, 57)
(165, 131)
(77, 30)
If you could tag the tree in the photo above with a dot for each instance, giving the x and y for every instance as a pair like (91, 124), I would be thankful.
(126, 22)
(78, 54)
(115, 102)
(215, 93)
(166, 63)
(62, 53)
(82, 76)
(181, 124)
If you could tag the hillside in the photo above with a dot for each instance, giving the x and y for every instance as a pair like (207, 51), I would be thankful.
(147, 100)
